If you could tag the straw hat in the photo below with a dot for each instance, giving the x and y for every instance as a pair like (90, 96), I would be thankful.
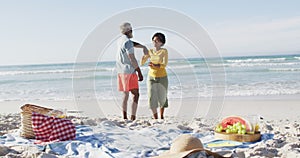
(184, 145)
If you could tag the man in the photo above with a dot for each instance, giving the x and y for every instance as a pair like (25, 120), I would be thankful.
(127, 67)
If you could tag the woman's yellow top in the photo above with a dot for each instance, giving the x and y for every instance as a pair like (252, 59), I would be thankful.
(157, 57)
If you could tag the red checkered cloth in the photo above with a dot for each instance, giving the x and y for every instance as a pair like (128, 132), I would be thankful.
(52, 129)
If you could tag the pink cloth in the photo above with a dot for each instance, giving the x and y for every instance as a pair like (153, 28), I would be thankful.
(52, 129)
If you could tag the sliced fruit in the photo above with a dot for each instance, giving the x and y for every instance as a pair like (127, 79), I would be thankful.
(231, 120)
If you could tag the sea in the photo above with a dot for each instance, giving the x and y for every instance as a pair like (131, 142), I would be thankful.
(276, 76)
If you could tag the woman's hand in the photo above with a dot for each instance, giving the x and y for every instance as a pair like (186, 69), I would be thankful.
(154, 65)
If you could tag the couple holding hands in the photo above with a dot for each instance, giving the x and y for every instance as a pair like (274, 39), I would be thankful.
(129, 72)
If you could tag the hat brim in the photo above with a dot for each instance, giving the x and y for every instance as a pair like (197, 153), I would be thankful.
(185, 153)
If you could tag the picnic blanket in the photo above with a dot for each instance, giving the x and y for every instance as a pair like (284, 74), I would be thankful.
(108, 139)
(52, 129)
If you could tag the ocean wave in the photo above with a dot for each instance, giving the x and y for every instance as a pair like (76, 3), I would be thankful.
(254, 64)
(174, 92)
(56, 71)
(284, 69)
(94, 77)
(255, 60)
(261, 93)
(23, 80)
(177, 61)
(37, 99)
(264, 89)
(297, 58)
(183, 66)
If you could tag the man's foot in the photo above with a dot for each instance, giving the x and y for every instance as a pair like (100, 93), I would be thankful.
(162, 117)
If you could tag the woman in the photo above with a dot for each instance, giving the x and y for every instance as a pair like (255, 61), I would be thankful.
(157, 76)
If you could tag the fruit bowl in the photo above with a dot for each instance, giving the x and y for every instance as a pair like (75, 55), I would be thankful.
(238, 137)
(238, 129)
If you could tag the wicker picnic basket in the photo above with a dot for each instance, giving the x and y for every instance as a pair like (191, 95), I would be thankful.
(26, 126)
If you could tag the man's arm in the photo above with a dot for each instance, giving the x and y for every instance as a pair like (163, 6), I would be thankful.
(136, 66)
(137, 45)
(133, 61)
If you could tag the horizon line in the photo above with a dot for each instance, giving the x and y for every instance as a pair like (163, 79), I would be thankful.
(225, 56)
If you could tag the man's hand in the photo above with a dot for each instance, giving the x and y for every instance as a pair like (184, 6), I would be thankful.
(141, 78)
(140, 75)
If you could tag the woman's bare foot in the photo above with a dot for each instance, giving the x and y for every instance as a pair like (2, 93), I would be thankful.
(155, 116)
(133, 117)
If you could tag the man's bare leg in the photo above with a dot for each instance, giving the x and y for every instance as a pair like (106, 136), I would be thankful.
(135, 100)
(124, 104)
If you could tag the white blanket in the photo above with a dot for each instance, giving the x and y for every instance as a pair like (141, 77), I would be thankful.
(108, 139)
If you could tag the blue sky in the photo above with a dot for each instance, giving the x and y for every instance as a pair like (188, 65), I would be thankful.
(40, 32)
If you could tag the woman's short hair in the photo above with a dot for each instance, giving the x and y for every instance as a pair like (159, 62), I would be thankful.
(160, 36)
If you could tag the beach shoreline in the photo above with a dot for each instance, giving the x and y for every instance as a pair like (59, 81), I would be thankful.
(269, 109)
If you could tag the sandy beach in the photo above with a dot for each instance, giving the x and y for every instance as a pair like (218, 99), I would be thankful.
(270, 109)
(227, 70)
(280, 118)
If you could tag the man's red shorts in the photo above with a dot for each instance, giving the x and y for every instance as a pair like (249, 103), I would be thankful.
(127, 82)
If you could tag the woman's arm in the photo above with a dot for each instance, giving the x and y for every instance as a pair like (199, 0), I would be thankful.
(165, 60)
(144, 59)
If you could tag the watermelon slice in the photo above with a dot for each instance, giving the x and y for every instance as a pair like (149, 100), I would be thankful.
(234, 119)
